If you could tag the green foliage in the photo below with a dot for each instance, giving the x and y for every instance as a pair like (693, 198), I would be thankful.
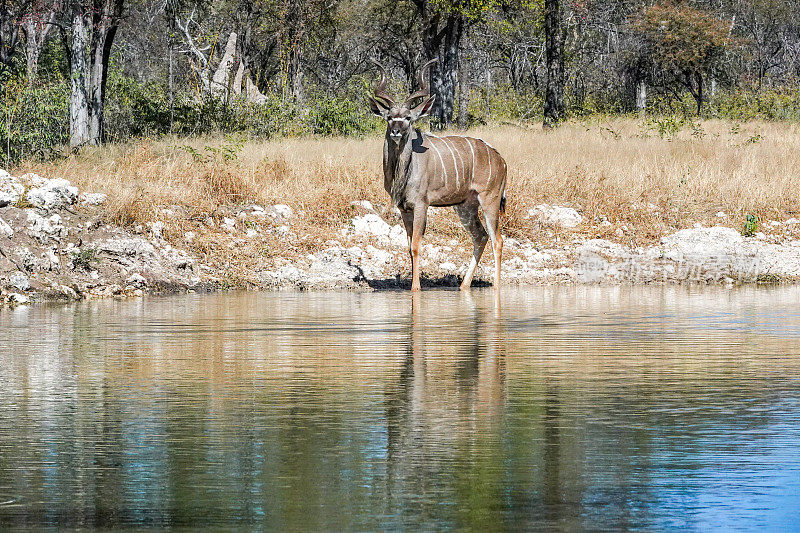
(668, 126)
(84, 258)
(336, 116)
(504, 104)
(225, 153)
(779, 103)
(135, 110)
(750, 226)
(33, 119)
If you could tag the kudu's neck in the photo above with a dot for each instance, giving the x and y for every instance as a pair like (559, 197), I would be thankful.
(396, 165)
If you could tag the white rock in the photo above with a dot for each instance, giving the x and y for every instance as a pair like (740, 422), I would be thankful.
(792, 221)
(371, 224)
(363, 204)
(280, 212)
(397, 236)
(8, 197)
(5, 229)
(251, 233)
(53, 194)
(188, 236)
(721, 214)
(34, 179)
(52, 259)
(157, 229)
(230, 222)
(93, 198)
(137, 279)
(447, 267)
(19, 299)
(355, 252)
(283, 230)
(289, 273)
(703, 241)
(380, 256)
(20, 282)
(555, 215)
(134, 246)
(42, 228)
(10, 189)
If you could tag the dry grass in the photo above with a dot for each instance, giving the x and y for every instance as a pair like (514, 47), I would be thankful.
(620, 169)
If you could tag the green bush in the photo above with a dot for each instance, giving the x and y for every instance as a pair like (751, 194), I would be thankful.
(33, 119)
(336, 116)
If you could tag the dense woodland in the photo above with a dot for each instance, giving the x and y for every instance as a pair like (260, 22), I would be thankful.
(80, 72)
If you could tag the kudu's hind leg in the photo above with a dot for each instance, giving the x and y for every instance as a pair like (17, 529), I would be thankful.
(491, 213)
(470, 218)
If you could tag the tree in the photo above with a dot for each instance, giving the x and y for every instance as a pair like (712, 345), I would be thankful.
(11, 15)
(555, 36)
(36, 25)
(686, 44)
(90, 30)
(444, 24)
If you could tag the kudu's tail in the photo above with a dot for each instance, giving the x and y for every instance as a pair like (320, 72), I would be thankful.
(503, 202)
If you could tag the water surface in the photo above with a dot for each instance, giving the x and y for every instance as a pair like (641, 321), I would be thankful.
(566, 408)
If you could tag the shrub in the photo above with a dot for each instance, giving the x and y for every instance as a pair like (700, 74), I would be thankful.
(33, 119)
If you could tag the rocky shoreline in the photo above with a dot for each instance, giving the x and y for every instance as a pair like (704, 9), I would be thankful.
(56, 243)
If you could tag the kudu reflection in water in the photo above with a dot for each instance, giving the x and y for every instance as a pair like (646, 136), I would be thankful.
(436, 400)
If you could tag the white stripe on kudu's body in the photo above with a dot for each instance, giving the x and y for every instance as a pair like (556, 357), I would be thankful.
(441, 162)
(453, 155)
(472, 151)
(414, 187)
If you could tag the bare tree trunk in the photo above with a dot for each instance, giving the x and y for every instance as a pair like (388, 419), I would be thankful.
(9, 34)
(35, 33)
(251, 91)
(641, 96)
(171, 86)
(236, 88)
(463, 95)
(295, 75)
(220, 82)
(79, 101)
(294, 33)
(92, 32)
(488, 89)
(554, 50)
(446, 45)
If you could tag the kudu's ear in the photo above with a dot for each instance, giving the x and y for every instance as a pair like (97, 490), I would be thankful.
(423, 109)
(378, 108)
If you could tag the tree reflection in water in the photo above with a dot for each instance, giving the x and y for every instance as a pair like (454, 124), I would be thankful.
(569, 408)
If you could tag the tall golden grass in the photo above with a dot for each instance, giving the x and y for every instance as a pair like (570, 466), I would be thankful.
(620, 169)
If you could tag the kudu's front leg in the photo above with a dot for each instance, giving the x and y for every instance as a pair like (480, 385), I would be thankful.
(415, 221)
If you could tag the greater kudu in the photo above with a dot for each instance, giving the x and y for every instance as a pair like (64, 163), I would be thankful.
(421, 169)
